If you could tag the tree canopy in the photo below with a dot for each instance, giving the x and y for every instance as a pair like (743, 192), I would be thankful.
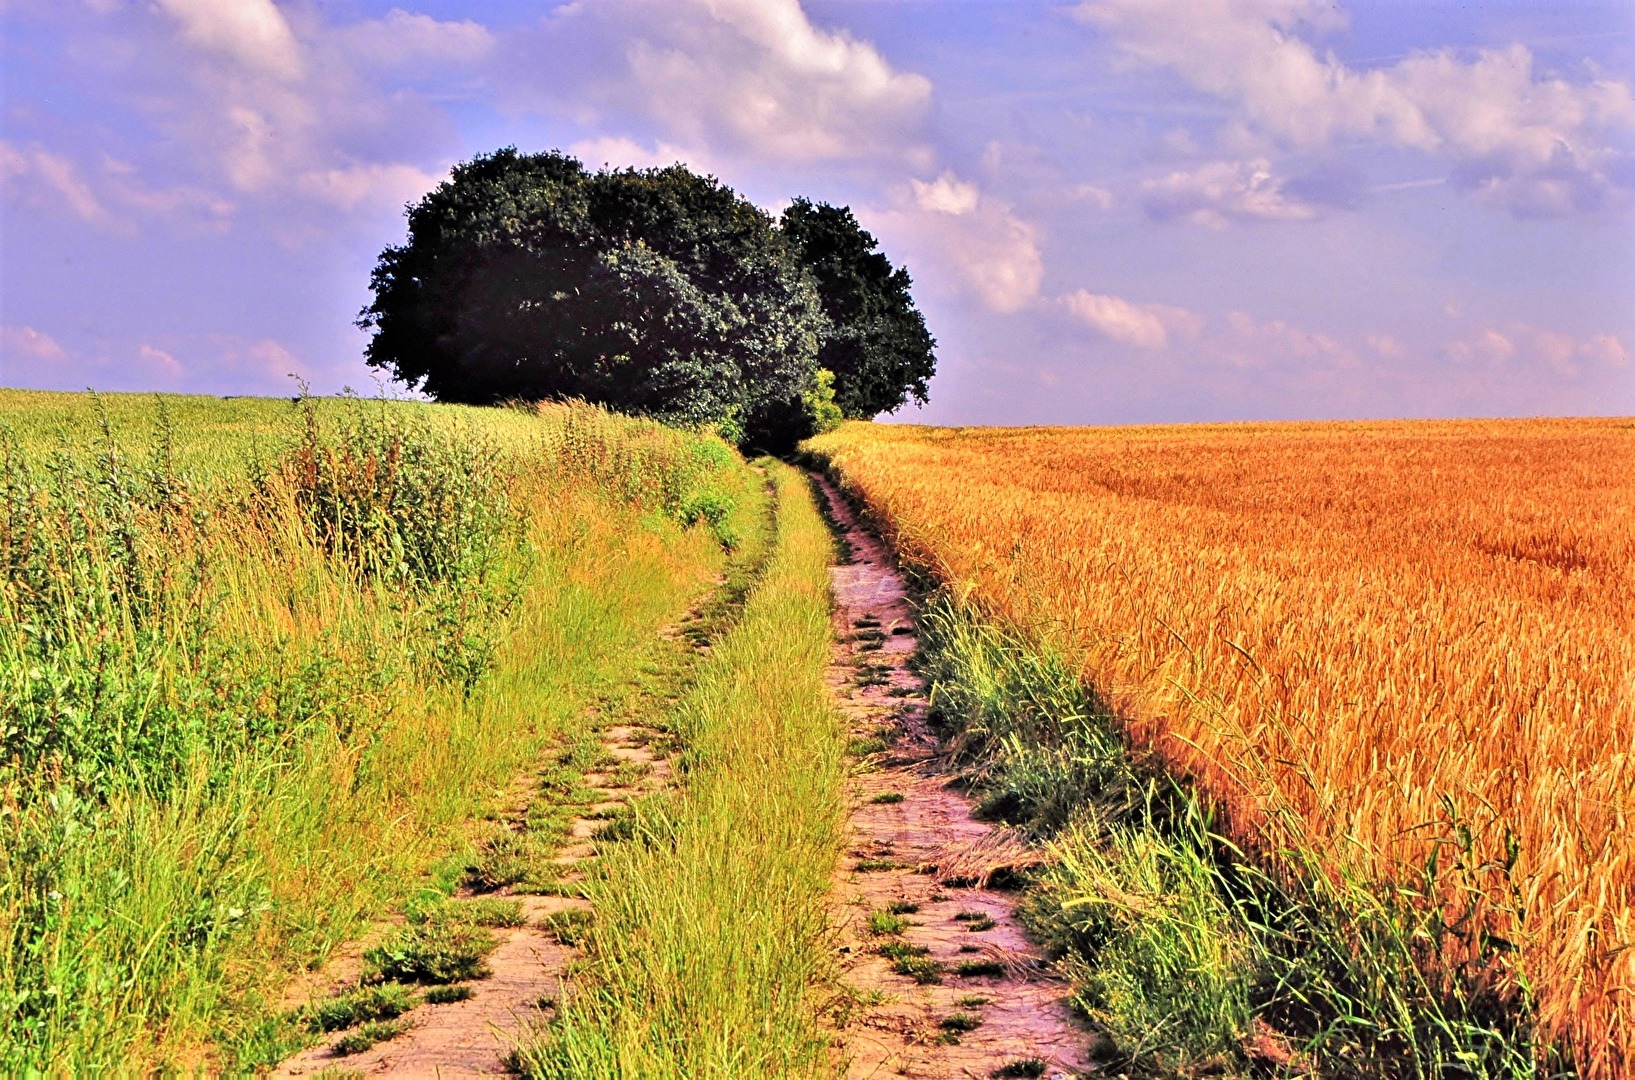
(877, 345)
(653, 291)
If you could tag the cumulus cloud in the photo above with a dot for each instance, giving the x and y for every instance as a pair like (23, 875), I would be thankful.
(1223, 191)
(1535, 144)
(978, 239)
(274, 104)
(755, 78)
(947, 194)
(1147, 326)
(252, 33)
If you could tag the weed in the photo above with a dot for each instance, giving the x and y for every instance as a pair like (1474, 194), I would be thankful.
(867, 745)
(888, 798)
(448, 995)
(384, 1002)
(972, 1001)
(365, 1037)
(884, 922)
(570, 926)
(902, 907)
(912, 960)
(960, 1022)
(978, 968)
(630, 773)
(439, 950)
(976, 921)
(874, 866)
(487, 911)
(1021, 1068)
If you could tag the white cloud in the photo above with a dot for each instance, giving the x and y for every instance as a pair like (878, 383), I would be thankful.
(1223, 191)
(1146, 326)
(159, 362)
(1534, 144)
(621, 152)
(947, 194)
(1099, 197)
(403, 38)
(754, 78)
(24, 346)
(1249, 343)
(50, 179)
(1525, 345)
(252, 33)
(979, 240)
(372, 184)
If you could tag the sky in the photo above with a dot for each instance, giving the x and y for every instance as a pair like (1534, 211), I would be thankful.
(1114, 211)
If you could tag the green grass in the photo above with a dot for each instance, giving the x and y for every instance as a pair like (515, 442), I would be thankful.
(708, 956)
(369, 1035)
(448, 994)
(886, 922)
(259, 677)
(383, 1002)
(912, 960)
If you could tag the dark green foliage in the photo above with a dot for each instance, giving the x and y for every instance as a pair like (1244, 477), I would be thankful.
(1022, 1067)
(877, 345)
(658, 292)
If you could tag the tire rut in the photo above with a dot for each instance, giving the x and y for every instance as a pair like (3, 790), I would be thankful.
(945, 982)
(528, 970)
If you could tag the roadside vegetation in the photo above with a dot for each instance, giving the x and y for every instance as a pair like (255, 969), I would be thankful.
(707, 954)
(267, 662)
(1319, 721)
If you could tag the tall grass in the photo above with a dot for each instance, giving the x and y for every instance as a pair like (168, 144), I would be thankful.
(707, 953)
(245, 711)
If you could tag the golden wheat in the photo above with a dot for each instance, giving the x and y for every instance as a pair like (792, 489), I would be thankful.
(1377, 640)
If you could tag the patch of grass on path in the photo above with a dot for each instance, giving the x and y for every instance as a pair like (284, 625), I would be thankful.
(707, 955)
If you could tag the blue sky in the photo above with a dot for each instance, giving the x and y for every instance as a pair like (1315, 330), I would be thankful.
(1114, 210)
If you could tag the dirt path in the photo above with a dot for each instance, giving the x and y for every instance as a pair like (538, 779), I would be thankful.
(474, 1037)
(928, 935)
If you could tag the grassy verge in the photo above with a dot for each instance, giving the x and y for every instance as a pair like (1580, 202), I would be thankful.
(1187, 952)
(706, 955)
(247, 707)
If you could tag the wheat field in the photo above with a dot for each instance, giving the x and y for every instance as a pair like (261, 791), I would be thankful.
(1408, 647)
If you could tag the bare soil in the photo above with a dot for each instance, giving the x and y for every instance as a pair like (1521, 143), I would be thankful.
(915, 846)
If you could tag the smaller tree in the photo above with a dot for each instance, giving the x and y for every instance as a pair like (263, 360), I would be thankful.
(877, 344)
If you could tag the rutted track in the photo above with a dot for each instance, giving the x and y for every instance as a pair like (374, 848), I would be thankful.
(526, 972)
(925, 858)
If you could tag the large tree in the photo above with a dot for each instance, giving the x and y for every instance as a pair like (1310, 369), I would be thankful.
(652, 291)
(877, 346)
